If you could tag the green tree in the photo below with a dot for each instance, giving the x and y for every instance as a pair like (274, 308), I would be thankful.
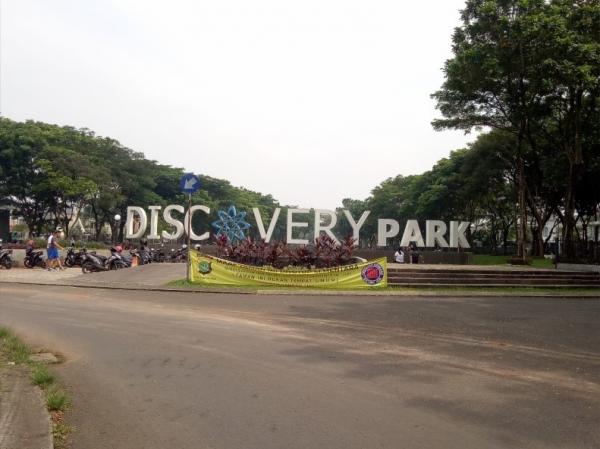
(567, 37)
(49, 174)
(66, 178)
(488, 81)
(531, 68)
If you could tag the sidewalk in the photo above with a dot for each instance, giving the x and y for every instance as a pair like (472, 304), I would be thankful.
(24, 420)
(153, 275)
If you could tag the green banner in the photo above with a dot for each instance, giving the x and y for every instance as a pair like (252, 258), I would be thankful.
(209, 270)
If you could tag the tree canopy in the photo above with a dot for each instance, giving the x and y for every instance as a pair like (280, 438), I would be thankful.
(530, 68)
(50, 173)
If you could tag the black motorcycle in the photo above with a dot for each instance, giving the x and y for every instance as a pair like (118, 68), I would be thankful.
(180, 255)
(124, 261)
(34, 258)
(158, 255)
(74, 258)
(93, 262)
(5, 257)
(139, 258)
(143, 255)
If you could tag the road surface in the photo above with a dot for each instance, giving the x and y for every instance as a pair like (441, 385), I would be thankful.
(188, 370)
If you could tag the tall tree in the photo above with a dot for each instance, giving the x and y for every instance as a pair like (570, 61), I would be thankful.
(488, 79)
(529, 67)
(567, 39)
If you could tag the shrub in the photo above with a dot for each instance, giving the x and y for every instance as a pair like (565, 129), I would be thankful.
(41, 376)
(323, 253)
(56, 400)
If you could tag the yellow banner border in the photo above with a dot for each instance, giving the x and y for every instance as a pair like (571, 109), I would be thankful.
(354, 270)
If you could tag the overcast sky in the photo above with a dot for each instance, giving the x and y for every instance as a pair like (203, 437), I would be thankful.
(311, 101)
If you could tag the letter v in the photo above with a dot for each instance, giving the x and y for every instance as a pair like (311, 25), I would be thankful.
(266, 236)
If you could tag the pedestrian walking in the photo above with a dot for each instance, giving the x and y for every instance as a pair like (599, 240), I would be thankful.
(52, 248)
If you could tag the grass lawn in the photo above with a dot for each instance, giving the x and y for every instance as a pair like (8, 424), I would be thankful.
(14, 352)
(483, 259)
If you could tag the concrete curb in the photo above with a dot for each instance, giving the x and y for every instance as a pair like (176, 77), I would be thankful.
(386, 293)
(25, 422)
(49, 420)
(131, 287)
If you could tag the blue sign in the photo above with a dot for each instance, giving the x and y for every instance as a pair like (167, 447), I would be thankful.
(189, 183)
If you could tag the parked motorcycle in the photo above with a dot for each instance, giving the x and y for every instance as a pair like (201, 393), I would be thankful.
(5, 257)
(93, 262)
(142, 257)
(135, 257)
(123, 260)
(34, 258)
(145, 256)
(158, 255)
(180, 255)
(74, 258)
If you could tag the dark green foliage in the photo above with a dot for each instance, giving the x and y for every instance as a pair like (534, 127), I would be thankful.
(49, 173)
(531, 68)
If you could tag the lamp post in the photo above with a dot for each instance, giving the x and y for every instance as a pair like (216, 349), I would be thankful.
(117, 218)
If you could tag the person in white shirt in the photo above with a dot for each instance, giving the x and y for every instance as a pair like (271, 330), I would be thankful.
(399, 255)
(52, 248)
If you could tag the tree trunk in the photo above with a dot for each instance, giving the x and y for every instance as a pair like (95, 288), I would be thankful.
(98, 224)
(65, 224)
(522, 225)
(540, 242)
(38, 228)
(32, 225)
(505, 232)
(575, 154)
(494, 237)
(121, 231)
(535, 234)
(538, 235)
(97, 230)
(569, 216)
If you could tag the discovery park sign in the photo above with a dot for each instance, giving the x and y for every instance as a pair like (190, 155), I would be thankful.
(233, 224)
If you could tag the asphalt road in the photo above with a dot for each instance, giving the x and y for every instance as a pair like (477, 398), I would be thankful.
(188, 370)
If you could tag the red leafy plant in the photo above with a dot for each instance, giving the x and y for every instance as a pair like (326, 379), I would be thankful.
(325, 252)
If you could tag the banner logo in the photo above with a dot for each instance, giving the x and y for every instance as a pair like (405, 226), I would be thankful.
(204, 267)
(373, 274)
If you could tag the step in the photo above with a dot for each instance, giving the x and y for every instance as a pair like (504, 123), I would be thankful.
(487, 275)
(495, 281)
(554, 286)
(531, 272)
(484, 276)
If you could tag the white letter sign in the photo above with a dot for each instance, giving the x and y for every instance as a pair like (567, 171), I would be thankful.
(386, 228)
(131, 211)
(266, 236)
(291, 225)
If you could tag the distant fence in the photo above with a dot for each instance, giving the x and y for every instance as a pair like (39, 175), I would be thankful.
(585, 252)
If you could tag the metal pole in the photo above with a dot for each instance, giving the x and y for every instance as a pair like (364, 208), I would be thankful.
(189, 231)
